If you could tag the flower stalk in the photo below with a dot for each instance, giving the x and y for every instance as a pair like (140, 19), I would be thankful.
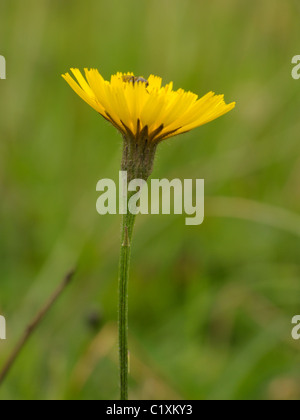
(127, 228)
(137, 161)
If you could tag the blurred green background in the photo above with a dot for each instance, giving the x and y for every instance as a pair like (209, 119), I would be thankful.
(210, 306)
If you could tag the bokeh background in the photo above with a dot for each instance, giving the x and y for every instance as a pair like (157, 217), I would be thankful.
(210, 306)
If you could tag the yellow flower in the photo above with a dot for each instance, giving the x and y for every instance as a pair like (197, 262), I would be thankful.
(135, 105)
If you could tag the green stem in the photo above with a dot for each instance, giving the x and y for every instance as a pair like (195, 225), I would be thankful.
(137, 161)
(127, 229)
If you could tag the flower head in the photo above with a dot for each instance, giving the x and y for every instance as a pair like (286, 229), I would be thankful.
(134, 104)
(145, 112)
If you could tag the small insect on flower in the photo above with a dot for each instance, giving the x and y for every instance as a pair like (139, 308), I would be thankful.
(133, 79)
